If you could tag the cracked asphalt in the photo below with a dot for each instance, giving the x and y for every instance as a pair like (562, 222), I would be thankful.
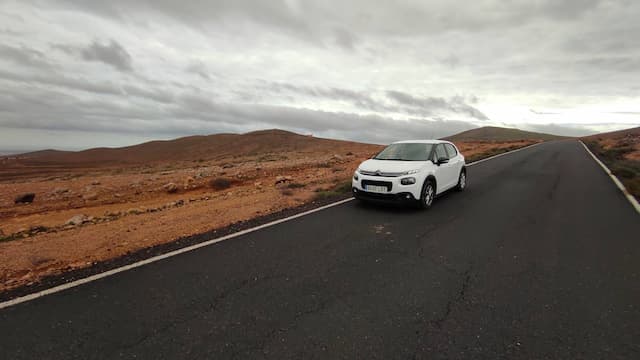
(538, 259)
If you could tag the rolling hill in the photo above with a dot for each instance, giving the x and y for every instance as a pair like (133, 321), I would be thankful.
(190, 148)
(494, 133)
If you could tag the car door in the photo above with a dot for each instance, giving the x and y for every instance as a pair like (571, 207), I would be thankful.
(445, 171)
(455, 160)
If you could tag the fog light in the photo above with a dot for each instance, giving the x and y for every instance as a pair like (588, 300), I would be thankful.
(355, 190)
(408, 181)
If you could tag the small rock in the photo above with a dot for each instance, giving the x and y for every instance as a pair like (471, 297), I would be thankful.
(90, 196)
(227, 166)
(134, 211)
(95, 182)
(170, 188)
(60, 190)
(77, 220)
(25, 198)
(283, 179)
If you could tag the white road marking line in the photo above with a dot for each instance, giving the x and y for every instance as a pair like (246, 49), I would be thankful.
(105, 274)
(620, 186)
(150, 260)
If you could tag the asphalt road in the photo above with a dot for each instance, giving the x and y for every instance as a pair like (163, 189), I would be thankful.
(539, 258)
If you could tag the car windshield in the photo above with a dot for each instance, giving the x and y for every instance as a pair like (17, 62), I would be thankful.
(406, 152)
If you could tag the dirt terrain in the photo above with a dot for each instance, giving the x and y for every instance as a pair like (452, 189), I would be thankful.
(99, 204)
(620, 151)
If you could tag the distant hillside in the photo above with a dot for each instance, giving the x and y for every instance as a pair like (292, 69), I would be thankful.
(494, 133)
(189, 148)
(633, 132)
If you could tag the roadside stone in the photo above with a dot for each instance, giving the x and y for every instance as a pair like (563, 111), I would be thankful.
(227, 166)
(95, 182)
(25, 198)
(77, 220)
(170, 188)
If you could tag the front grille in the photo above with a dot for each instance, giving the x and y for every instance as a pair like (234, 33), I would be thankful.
(377, 183)
(379, 173)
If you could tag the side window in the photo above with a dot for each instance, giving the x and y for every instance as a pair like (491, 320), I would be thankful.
(451, 150)
(440, 152)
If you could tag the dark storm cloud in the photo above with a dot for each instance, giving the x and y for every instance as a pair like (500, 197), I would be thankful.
(111, 53)
(432, 105)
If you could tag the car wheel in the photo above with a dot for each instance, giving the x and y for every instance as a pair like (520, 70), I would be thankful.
(428, 194)
(462, 180)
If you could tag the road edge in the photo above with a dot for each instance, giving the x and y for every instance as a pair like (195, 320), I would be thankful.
(123, 268)
(618, 183)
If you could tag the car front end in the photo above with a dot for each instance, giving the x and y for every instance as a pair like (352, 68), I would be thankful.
(387, 186)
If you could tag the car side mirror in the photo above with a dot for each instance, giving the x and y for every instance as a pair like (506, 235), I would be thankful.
(442, 160)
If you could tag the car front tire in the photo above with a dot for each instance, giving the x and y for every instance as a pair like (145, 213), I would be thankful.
(462, 180)
(428, 194)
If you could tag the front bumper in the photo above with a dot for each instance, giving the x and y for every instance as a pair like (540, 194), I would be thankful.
(396, 191)
(367, 195)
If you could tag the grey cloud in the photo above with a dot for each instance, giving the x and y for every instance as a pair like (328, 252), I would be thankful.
(362, 100)
(345, 39)
(198, 68)
(111, 53)
(195, 113)
(68, 83)
(24, 56)
(430, 106)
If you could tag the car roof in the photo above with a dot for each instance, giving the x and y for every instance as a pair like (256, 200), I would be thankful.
(422, 142)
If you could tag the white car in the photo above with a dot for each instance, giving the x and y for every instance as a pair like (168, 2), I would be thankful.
(411, 170)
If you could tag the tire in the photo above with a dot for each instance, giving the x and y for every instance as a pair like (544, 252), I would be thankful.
(462, 180)
(428, 194)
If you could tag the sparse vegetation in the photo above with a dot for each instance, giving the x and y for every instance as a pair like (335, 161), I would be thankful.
(490, 152)
(295, 185)
(286, 192)
(220, 183)
(627, 171)
(341, 189)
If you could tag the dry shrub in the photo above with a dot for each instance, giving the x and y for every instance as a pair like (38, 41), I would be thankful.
(221, 183)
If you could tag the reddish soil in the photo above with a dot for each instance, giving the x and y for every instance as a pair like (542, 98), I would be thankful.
(624, 139)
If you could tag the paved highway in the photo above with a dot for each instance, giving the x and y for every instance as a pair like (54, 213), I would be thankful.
(538, 258)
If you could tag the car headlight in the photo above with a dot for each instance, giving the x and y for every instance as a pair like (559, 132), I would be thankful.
(415, 171)
(355, 175)
(408, 181)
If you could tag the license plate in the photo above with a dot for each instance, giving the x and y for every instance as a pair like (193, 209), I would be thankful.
(376, 188)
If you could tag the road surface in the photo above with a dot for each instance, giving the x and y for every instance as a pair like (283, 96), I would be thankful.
(538, 258)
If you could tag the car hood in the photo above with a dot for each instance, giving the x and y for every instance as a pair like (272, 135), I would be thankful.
(391, 166)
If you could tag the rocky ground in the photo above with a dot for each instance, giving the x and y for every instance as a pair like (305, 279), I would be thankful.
(82, 216)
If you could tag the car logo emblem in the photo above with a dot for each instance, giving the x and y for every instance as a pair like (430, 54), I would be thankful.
(378, 173)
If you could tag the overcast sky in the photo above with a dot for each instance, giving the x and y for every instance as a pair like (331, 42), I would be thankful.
(77, 74)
